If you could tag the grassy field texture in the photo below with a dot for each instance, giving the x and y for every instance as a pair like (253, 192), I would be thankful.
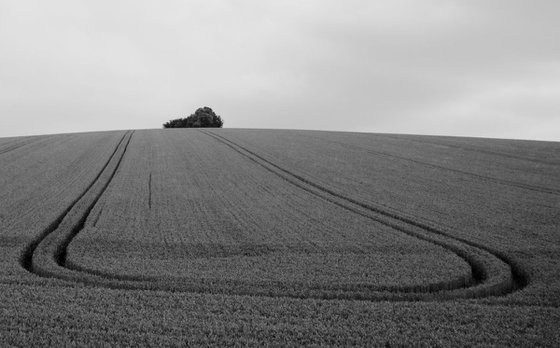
(161, 237)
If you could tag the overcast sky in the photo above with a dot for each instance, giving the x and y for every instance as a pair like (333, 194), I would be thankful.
(477, 68)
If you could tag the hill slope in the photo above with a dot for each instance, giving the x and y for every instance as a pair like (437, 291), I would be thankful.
(278, 236)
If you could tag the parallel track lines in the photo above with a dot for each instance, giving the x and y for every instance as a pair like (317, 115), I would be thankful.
(26, 258)
(9, 148)
(27, 253)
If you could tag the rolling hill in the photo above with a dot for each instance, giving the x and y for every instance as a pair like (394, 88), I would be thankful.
(174, 237)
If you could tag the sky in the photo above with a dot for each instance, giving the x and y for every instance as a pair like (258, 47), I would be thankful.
(481, 68)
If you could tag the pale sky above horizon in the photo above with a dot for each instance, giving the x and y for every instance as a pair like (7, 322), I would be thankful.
(480, 68)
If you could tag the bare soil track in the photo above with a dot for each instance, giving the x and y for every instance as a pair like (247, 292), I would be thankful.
(493, 273)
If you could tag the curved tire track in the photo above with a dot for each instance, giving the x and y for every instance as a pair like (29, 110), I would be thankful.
(49, 245)
(492, 274)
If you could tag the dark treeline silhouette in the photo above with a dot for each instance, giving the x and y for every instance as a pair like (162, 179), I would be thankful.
(202, 118)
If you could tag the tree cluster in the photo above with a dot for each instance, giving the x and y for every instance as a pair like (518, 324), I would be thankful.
(202, 118)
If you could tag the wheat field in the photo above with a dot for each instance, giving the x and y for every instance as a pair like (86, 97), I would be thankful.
(278, 237)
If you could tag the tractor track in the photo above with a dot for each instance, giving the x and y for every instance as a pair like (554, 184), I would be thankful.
(517, 277)
(9, 147)
(498, 181)
(479, 150)
(28, 253)
(493, 274)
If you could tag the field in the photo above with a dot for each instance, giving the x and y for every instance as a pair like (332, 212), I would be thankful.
(282, 237)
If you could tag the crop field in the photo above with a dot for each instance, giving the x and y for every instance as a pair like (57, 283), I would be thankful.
(278, 237)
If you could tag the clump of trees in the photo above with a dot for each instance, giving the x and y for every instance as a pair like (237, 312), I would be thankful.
(202, 118)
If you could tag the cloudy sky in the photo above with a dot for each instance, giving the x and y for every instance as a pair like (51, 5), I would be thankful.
(478, 68)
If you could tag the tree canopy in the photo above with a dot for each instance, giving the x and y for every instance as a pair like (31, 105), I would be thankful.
(203, 117)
